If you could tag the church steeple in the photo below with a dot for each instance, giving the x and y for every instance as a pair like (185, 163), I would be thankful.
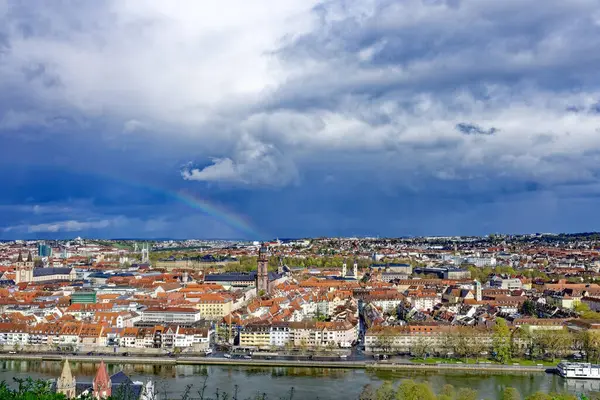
(20, 258)
(29, 257)
(102, 385)
(66, 382)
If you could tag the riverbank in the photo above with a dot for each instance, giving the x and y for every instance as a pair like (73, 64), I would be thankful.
(308, 383)
(367, 365)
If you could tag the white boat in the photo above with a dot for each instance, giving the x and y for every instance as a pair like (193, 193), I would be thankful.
(578, 370)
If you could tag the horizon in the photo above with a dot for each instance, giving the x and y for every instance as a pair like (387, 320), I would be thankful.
(164, 239)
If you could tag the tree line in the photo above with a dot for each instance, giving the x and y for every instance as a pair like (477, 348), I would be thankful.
(503, 342)
(411, 390)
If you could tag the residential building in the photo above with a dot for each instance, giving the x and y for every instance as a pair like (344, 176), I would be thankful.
(171, 315)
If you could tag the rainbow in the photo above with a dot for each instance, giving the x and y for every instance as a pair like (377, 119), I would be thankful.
(212, 209)
(233, 220)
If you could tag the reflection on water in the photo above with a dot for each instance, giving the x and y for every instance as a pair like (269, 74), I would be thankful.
(582, 385)
(324, 383)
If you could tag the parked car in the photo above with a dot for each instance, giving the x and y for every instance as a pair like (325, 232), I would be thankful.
(227, 355)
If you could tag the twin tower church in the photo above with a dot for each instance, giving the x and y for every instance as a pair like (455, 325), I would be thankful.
(103, 385)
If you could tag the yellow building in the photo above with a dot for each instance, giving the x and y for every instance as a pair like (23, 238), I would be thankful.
(258, 335)
(213, 306)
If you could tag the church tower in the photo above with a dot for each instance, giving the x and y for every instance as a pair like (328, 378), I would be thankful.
(66, 382)
(29, 262)
(262, 272)
(24, 270)
(20, 262)
(355, 270)
(102, 386)
(344, 270)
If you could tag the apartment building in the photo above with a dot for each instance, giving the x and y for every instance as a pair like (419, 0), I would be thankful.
(424, 301)
(405, 338)
(213, 306)
(14, 334)
(280, 334)
(256, 335)
(171, 315)
(385, 300)
(318, 334)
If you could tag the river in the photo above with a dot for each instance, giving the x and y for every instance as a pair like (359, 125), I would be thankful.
(308, 383)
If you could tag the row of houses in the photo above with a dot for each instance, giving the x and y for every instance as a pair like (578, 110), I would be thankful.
(304, 334)
(80, 334)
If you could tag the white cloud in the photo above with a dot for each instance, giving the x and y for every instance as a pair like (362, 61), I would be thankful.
(253, 163)
(134, 125)
(61, 226)
(267, 89)
(167, 61)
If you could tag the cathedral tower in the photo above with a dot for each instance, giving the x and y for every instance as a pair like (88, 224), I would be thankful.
(29, 262)
(20, 262)
(24, 270)
(66, 382)
(262, 272)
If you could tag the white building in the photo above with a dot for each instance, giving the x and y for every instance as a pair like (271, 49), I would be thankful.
(170, 315)
(279, 334)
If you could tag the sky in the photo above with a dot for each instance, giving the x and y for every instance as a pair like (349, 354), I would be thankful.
(295, 118)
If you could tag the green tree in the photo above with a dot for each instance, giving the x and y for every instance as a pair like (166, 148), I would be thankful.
(501, 343)
(420, 348)
(448, 393)
(585, 312)
(385, 392)
(553, 396)
(539, 396)
(410, 390)
(555, 342)
(466, 394)
(368, 393)
(510, 393)
(528, 307)
(590, 344)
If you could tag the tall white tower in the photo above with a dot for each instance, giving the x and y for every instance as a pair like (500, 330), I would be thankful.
(355, 270)
(146, 253)
(344, 270)
(478, 295)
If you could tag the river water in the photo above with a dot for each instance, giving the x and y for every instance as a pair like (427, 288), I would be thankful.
(308, 383)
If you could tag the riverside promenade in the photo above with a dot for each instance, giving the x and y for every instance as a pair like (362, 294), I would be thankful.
(191, 360)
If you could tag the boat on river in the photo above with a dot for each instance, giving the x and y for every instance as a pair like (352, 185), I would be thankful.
(579, 370)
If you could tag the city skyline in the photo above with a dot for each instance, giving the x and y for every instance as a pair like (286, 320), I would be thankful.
(298, 118)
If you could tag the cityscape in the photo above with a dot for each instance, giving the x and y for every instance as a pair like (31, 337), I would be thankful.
(299, 200)
(500, 302)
